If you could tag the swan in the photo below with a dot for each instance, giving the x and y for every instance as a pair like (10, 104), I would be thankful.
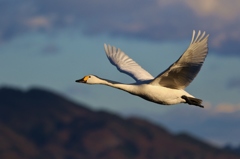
(168, 87)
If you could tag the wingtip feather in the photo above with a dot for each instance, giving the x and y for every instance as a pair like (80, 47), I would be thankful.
(105, 47)
(108, 48)
(193, 35)
(199, 37)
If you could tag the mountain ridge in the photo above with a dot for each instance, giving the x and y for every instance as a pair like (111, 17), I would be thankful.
(39, 123)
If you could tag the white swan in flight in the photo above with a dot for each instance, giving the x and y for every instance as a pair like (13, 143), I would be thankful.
(168, 87)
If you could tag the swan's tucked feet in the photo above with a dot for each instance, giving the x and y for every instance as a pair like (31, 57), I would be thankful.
(193, 101)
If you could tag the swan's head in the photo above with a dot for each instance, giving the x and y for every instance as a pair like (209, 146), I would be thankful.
(89, 79)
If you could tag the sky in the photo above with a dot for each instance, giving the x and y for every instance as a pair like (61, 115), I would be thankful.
(51, 43)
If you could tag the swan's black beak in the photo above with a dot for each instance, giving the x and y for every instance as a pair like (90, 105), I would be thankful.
(81, 81)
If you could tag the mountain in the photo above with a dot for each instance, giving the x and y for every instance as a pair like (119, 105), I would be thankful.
(39, 124)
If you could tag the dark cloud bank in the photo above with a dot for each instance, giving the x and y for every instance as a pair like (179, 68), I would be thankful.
(150, 20)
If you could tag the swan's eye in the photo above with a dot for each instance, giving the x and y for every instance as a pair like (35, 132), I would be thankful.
(89, 76)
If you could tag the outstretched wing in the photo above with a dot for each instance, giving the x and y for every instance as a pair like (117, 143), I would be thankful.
(181, 73)
(125, 64)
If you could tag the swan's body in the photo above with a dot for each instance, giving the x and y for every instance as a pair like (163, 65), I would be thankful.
(168, 87)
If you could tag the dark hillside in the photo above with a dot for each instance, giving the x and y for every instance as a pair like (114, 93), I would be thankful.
(38, 124)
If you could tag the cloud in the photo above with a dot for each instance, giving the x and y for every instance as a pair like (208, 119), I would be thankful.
(220, 9)
(234, 83)
(216, 124)
(227, 108)
(38, 22)
(161, 20)
(50, 49)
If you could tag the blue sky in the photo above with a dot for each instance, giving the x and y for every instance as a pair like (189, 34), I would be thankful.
(50, 44)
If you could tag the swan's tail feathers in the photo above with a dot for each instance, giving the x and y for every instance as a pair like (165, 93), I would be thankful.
(193, 101)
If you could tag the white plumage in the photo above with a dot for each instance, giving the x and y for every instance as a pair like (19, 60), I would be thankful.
(168, 87)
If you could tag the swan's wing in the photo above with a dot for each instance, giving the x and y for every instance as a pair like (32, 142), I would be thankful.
(125, 64)
(181, 73)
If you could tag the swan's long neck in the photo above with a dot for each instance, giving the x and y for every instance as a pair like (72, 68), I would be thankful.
(130, 88)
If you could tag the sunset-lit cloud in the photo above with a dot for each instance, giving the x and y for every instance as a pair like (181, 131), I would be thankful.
(218, 122)
(221, 9)
(38, 22)
(227, 108)
(223, 108)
